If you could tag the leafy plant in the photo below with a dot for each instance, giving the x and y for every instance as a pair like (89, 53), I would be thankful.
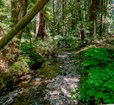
(6, 82)
(73, 94)
(20, 66)
(45, 47)
(96, 85)
(35, 60)
(30, 50)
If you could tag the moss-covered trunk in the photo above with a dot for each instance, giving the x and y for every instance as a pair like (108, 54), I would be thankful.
(22, 23)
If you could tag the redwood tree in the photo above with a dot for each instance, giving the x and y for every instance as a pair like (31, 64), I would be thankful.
(94, 10)
(18, 11)
(41, 24)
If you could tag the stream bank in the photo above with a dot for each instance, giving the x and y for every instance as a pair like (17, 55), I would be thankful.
(49, 85)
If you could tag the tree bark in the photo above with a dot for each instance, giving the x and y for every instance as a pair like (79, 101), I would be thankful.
(14, 13)
(37, 23)
(63, 16)
(1, 31)
(22, 12)
(41, 23)
(94, 10)
(101, 17)
(94, 29)
(22, 23)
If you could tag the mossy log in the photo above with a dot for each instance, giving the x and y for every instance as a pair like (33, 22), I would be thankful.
(22, 23)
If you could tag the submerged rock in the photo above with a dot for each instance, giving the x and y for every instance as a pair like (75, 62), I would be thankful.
(9, 98)
(58, 91)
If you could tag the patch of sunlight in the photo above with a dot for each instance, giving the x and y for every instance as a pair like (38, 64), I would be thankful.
(54, 95)
(72, 82)
(62, 56)
(85, 48)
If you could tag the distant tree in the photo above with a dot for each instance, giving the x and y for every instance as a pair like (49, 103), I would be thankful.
(40, 29)
(1, 31)
(63, 16)
(94, 10)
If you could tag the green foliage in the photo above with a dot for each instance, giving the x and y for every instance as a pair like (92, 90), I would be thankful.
(1, 3)
(20, 66)
(95, 56)
(4, 14)
(68, 41)
(29, 49)
(45, 47)
(26, 43)
(25, 48)
(6, 82)
(41, 47)
(97, 77)
(35, 60)
(74, 94)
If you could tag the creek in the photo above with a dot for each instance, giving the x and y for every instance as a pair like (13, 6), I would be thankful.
(51, 84)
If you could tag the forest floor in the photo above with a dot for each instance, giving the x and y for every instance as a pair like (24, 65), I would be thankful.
(53, 82)
(49, 85)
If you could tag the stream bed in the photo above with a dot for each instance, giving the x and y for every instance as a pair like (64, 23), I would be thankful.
(49, 85)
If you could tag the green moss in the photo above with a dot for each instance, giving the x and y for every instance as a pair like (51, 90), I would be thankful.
(20, 66)
(48, 70)
(35, 60)
(24, 99)
(6, 82)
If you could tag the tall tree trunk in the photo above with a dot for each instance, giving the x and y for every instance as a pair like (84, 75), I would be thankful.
(94, 29)
(94, 10)
(41, 28)
(54, 19)
(37, 23)
(22, 23)
(18, 11)
(105, 8)
(22, 12)
(80, 19)
(57, 16)
(14, 12)
(1, 32)
(63, 16)
(101, 17)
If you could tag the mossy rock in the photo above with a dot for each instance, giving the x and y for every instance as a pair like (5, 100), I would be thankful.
(35, 61)
(6, 83)
(16, 68)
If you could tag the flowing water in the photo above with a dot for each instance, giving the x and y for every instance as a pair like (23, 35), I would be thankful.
(51, 77)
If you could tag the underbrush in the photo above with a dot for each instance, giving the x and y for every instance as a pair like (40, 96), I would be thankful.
(6, 82)
(46, 47)
(97, 76)
(43, 47)
(21, 65)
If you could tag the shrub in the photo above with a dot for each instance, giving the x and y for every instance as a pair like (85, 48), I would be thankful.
(30, 50)
(45, 47)
(96, 85)
(35, 60)
(20, 66)
(6, 82)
